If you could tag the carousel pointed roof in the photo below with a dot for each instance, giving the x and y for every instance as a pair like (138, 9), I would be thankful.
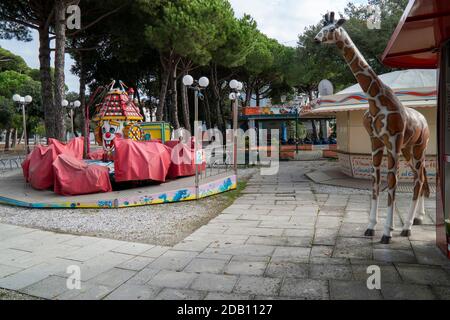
(117, 105)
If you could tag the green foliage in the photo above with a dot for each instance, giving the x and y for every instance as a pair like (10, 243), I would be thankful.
(239, 41)
(185, 28)
(10, 61)
(313, 62)
(12, 82)
(6, 112)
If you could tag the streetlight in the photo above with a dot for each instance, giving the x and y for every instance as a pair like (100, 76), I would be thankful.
(236, 88)
(23, 101)
(71, 105)
(197, 86)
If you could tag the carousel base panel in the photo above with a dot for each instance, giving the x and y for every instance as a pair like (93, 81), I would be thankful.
(14, 191)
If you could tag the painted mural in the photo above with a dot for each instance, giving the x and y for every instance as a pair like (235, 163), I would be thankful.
(186, 194)
(360, 166)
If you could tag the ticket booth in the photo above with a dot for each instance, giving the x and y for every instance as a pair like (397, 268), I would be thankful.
(422, 40)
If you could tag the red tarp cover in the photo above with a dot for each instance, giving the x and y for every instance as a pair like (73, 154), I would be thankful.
(96, 155)
(75, 177)
(183, 160)
(74, 147)
(137, 161)
(37, 167)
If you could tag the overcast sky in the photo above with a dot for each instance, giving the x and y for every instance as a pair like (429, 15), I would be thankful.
(283, 20)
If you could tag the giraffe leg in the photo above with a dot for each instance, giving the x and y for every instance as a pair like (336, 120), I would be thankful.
(377, 157)
(393, 156)
(418, 184)
(421, 212)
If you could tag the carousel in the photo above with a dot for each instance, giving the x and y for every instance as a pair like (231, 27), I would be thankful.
(136, 164)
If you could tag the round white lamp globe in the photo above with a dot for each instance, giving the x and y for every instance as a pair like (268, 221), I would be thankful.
(234, 84)
(16, 98)
(240, 86)
(203, 82)
(77, 104)
(188, 80)
(232, 96)
(28, 99)
(65, 103)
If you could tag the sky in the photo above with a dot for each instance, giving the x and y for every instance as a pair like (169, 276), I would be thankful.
(283, 20)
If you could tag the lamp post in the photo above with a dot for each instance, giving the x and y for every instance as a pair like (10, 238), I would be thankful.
(71, 106)
(235, 95)
(23, 101)
(197, 86)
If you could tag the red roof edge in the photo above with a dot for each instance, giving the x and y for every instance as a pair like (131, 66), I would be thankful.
(385, 56)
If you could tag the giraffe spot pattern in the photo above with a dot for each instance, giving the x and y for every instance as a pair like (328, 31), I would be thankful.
(349, 53)
(378, 123)
(395, 123)
(364, 81)
(373, 108)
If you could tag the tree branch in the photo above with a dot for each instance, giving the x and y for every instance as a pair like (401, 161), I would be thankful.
(24, 23)
(96, 20)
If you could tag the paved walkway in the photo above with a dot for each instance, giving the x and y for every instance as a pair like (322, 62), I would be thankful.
(283, 238)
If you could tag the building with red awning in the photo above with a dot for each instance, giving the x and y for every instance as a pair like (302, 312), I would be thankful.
(422, 40)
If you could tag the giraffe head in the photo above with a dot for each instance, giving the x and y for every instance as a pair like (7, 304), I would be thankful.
(331, 31)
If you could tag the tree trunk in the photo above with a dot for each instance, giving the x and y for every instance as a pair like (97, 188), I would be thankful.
(208, 113)
(82, 95)
(258, 98)
(46, 80)
(165, 75)
(7, 139)
(216, 92)
(185, 106)
(14, 138)
(248, 96)
(175, 121)
(60, 46)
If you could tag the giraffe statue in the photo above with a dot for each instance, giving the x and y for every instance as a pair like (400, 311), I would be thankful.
(391, 126)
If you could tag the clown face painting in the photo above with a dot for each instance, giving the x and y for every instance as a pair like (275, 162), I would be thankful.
(109, 129)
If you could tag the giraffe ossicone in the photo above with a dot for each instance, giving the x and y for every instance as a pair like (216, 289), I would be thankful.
(391, 126)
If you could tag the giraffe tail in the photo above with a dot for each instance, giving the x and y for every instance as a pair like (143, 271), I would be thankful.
(426, 186)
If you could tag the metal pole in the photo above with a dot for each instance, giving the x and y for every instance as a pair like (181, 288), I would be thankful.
(296, 131)
(27, 150)
(235, 128)
(195, 144)
(71, 120)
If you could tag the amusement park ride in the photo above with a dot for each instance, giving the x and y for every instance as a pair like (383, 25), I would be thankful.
(133, 154)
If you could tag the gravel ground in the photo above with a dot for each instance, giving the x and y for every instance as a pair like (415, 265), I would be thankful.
(12, 295)
(165, 224)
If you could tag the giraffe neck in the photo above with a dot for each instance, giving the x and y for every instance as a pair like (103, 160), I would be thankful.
(364, 74)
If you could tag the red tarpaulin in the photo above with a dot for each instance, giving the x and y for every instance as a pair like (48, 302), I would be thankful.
(75, 177)
(74, 147)
(183, 160)
(37, 167)
(96, 155)
(137, 161)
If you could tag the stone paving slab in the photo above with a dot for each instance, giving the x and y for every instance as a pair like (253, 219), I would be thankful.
(284, 238)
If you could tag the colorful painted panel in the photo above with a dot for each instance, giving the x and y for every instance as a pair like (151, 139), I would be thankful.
(361, 167)
(185, 194)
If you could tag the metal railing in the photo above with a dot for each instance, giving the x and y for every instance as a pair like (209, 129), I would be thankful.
(11, 163)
